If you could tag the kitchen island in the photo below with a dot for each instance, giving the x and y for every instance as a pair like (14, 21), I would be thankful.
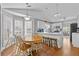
(75, 39)
(57, 36)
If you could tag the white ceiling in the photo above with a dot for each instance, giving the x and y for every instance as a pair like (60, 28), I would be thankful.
(45, 10)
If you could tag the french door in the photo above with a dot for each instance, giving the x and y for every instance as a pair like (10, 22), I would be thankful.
(7, 31)
(18, 26)
(28, 30)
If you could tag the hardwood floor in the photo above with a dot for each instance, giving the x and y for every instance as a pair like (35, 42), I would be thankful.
(46, 51)
(8, 51)
(67, 50)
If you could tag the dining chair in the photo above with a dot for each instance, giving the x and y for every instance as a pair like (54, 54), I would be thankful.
(21, 47)
(37, 42)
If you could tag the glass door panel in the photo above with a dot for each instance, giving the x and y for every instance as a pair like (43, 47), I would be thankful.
(7, 31)
(18, 27)
(28, 30)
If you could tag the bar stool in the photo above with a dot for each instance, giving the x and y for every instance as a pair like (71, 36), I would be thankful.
(46, 40)
(43, 40)
(53, 42)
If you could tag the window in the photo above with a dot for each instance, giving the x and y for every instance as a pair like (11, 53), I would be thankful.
(7, 30)
(18, 27)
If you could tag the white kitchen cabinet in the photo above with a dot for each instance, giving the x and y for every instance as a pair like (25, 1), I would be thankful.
(75, 39)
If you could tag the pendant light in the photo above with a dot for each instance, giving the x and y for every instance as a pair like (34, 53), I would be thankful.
(58, 16)
(57, 11)
(45, 19)
(27, 17)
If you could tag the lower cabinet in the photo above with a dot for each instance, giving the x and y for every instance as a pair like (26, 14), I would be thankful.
(75, 40)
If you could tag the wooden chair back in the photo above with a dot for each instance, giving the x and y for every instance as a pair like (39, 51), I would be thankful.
(37, 38)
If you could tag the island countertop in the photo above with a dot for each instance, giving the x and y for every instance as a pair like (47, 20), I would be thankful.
(53, 34)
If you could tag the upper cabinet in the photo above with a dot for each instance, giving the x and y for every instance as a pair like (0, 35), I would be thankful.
(43, 26)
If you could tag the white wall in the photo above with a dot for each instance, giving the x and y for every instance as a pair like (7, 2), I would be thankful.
(35, 26)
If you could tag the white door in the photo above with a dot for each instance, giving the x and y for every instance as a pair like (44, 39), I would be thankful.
(28, 30)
